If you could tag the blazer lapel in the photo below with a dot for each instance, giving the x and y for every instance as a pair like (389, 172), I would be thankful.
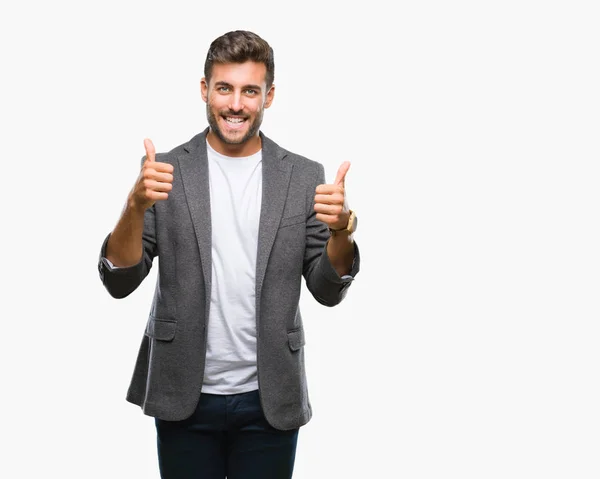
(276, 178)
(194, 174)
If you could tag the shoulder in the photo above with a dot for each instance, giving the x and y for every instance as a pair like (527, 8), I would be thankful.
(185, 148)
(299, 161)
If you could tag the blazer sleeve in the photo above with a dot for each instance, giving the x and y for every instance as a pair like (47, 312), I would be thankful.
(322, 280)
(121, 282)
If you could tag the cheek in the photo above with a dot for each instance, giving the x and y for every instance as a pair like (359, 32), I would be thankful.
(255, 107)
(217, 102)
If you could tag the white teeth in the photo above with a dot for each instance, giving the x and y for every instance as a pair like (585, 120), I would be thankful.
(234, 120)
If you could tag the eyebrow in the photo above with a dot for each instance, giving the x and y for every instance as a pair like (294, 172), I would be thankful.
(245, 87)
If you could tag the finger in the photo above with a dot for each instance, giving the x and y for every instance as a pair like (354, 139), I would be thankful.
(340, 178)
(331, 199)
(162, 167)
(155, 174)
(327, 219)
(156, 167)
(329, 189)
(150, 151)
(153, 185)
(334, 210)
(157, 195)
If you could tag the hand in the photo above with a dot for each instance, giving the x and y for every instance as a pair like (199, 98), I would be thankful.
(154, 182)
(330, 201)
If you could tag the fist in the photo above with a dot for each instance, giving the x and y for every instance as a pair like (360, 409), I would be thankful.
(330, 201)
(154, 182)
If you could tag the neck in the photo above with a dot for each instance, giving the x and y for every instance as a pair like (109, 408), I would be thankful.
(249, 147)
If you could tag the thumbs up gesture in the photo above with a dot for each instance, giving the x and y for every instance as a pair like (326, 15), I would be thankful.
(154, 181)
(330, 201)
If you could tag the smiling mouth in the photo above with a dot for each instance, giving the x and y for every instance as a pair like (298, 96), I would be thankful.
(234, 121)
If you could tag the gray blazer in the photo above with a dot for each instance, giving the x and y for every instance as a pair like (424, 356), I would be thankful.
(169, 370)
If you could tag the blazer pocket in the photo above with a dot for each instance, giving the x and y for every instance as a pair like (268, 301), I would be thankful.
(162, 329)
(296, 339)
(292, 220)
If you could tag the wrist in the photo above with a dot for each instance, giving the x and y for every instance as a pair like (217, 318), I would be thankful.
(349, 229)
(134, 208)
(341, 239)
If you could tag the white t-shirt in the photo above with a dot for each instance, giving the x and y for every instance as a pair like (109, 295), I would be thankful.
(235, 198)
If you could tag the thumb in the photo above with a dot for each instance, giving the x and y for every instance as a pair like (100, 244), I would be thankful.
(340, 178)
(150, 151)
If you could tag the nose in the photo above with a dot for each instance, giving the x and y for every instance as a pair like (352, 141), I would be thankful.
(235, 103)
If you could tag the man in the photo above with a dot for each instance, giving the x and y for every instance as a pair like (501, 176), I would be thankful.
(235, 221)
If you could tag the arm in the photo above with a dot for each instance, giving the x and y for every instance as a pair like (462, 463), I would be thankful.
(125, 247)
(340, 249)
(127, 252)
(121, 278)
(327, 283)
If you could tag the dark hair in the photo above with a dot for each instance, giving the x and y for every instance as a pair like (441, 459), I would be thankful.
(239, 47)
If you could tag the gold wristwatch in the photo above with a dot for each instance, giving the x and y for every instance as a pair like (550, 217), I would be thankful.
(350, 227)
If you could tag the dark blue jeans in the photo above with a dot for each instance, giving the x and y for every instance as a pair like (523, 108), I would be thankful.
(227, 436)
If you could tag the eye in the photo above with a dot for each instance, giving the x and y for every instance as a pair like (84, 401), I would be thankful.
(251, 91)
(223, 89)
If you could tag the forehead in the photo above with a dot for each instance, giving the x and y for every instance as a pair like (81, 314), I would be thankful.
(239, 74)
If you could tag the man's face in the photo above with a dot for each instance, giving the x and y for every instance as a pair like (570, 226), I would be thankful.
(235, 100)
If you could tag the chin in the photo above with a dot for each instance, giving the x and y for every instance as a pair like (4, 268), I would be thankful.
(232, 137)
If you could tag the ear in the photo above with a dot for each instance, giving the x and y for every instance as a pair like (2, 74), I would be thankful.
(270, 96)
(204, 89)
